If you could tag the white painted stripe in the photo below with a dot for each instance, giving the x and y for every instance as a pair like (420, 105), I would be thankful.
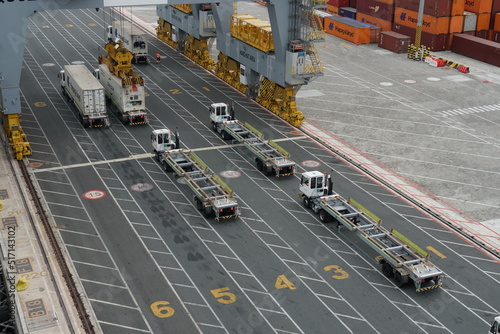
(114, 304)
(102, 283)
(268, 310)
(159, 252)
(86, 248)
(312, 279)
(93, 265)
(184, 285)
(77, 232)
(123, 326)
(208, 325)
(171, 268)
(326, 296)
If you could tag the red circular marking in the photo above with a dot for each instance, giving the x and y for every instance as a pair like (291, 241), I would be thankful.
(230, 174)
(34, 165)
(310, 163)
(94, 194)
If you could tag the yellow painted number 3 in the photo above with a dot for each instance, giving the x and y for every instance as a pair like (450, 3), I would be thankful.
(161, 310)
(336, 269)
(222, 296)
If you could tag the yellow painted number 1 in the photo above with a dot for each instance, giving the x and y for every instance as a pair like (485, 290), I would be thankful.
(222, 296)
(161, 310)
(336, 269)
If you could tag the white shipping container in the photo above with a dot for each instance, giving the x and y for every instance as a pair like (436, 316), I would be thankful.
(132, 38)
(470, 21)
(85, 90)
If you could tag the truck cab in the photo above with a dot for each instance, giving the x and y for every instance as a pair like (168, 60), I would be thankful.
(495, 326)
(220, 112)
(164, 140)
(314, 184)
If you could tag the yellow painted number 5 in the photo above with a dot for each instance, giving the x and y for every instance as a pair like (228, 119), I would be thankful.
(161, 310)
(336, 269)
(223, 297)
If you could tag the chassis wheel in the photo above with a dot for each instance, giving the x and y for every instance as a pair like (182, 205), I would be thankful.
(307, 202)
(399, 279)
(324, 216)
(166, 167)
(260, 165)
(387, 269)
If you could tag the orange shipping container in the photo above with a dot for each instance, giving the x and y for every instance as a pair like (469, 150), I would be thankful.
(496, 27)
(332, 9)
(390, 2)
(483, 21)
(478, 6)
(431, 24)
(457, 7)
(456, 24)
(374, 21)
(347, 31)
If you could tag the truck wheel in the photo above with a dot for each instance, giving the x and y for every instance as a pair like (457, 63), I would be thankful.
(207, 212)
(260, 165)
(324, 216)
(199, 205)
(268, 170)
(214, 126)
(307, 202)
(125, 120)
(387, 269)
(399, 280)
(166, 167)
(157, 155)
(224, 135)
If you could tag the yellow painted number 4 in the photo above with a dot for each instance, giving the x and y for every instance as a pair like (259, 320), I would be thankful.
(336, 269)
(161, 310)
(223, 297)
(283, 282)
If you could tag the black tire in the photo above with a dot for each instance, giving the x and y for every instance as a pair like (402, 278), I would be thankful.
(214, 126)
(157, 156)
(386, 269)
(268, 170)
(199, 204)
(307, 202)
(260, 165)
(324, 216)
(399, 279)
(207, 212)
(166, 167)
(224, 135)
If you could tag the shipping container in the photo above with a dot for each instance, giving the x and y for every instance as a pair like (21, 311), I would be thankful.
(496, 36)
(394, 41)
(374, 30)
(477, 48)
(349, 30)
(348, 12)
(456, 24)
(376, 9)
(496, 22)
(339, 3)
(390, 2)
(332, 9)
(434, 42)
(383, 24)
(483, 21)
(436, 8)
(495, 6)
(353, 3)
(483, 34)
(470, 21)
(478, 6)
(431, 24)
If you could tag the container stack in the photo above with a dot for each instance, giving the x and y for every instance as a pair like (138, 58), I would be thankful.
(442, 18)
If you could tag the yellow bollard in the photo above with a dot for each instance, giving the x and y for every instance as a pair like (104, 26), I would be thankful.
(22, 284)
(1, 206)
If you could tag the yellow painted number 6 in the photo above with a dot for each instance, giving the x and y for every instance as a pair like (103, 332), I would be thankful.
(223, 297)
(160, 309)
(336, 269)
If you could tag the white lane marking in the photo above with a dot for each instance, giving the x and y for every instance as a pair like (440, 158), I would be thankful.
(123, 326)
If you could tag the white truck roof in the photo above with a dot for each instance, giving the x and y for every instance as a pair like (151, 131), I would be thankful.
(129, 28)
(84, 78)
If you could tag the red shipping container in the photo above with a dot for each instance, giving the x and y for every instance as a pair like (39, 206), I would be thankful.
(431, 24)
(436, 8)
(434, 42)
(339, 3)
(483, 34)
(394, 41)
(496, 36)
(376, 9)
(353, 3)
(477, 48)
(478, 6)
(495, 7)
(383, 24)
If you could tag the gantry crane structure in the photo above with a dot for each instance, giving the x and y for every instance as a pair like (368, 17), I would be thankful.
(269, 61)
(272, 76)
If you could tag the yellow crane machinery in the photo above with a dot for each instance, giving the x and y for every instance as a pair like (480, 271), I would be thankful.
(119, 62)
(16, 135)
(198, 51)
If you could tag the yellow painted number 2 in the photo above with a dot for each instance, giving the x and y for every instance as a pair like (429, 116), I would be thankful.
(336, 269)
(283, 282)
(161, 310)
(223, 297)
